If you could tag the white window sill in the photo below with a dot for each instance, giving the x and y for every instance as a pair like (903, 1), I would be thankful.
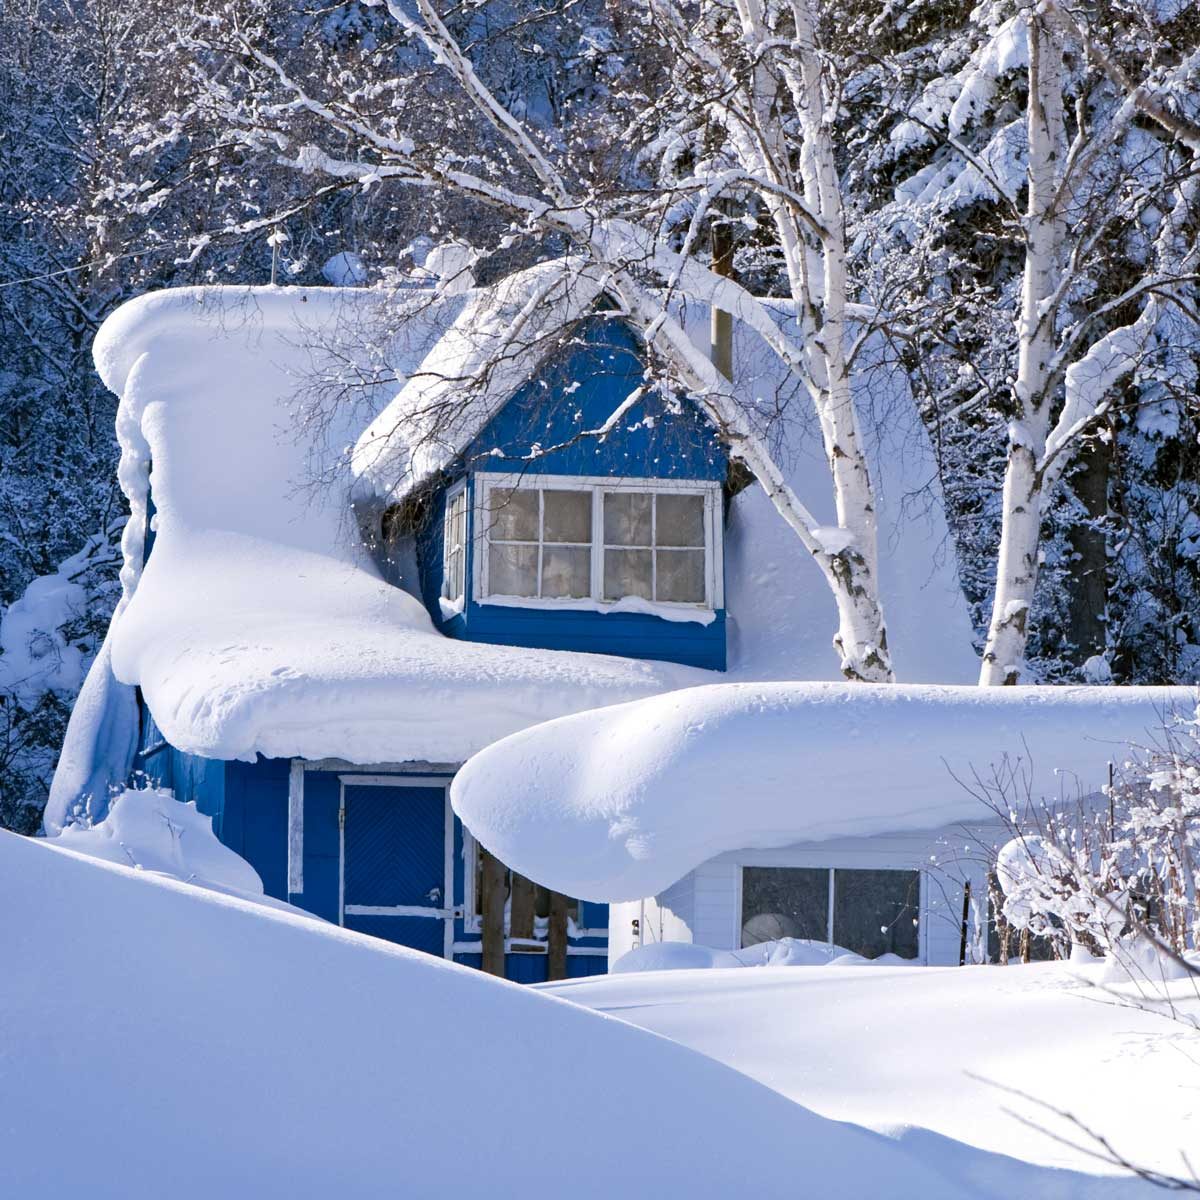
(695, 613)
(450, 608)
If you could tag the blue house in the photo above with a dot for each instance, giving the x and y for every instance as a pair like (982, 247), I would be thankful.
(348, 572)
(257, 637)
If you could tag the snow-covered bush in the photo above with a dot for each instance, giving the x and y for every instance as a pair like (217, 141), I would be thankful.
(1115, 872)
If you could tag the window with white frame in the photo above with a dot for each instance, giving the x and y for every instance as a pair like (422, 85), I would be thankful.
(598, 542)
(454, 547)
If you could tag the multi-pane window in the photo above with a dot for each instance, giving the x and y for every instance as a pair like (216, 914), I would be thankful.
(539, 542)
(871, 912)
(455, 546)
(654, 546)
(563, 540)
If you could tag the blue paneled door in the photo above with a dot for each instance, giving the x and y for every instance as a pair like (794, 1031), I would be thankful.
(395, 869)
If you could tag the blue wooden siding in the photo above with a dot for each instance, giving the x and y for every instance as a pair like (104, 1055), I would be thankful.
(650, 442)
(248, 803)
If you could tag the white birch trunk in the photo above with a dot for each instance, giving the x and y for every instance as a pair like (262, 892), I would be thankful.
(1024, 493)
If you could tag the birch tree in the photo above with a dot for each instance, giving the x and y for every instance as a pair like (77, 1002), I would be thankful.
(1039, 449)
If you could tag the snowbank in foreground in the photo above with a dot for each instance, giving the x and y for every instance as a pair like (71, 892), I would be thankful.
(785, 952)
(249, 1052)
(620, 803)
(149, 830)
(931, 1050)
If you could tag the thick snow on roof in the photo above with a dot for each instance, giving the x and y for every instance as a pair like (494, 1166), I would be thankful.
(490, 351)
(248, 1051)
(782, 615)
(619, 804)
(259, 624)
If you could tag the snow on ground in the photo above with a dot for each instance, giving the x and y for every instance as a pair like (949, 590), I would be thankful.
(160, 1038)
(620, 803)
(917, 1051)
(778, 952)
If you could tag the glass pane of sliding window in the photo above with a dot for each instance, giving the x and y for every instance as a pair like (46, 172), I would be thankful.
(513, 514)
(680, 520)
(681, 576)
(566, 571)
(628, 519)
(567, 517)
(628, 573)
(875, 912)
(780, 902)
(512, 570)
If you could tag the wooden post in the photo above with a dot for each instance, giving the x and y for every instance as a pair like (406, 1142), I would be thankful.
(556, 958)
(966, 915)
(520, 921)
(494, 895)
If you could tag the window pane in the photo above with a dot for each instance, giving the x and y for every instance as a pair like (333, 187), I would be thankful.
(566, 571)
(626, 573)
(681, 576)
(512, 570)
(680, 520)
(875, 912)
(567, 516)
(627, 518)
(514, 514)
(784, 902)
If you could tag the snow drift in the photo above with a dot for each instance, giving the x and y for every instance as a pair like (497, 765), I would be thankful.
(160, 1038)
(619, 804)
(149, 830)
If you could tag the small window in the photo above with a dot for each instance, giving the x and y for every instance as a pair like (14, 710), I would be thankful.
(557, 539)
(454, 551)
(868, 912)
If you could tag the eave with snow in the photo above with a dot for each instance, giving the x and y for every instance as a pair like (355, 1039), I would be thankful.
(311, 653)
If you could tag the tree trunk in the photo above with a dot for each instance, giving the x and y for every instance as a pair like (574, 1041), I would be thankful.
(1087, 622)
(1023, 498)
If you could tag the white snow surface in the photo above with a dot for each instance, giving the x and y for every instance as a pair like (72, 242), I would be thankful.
(149, 830)
(926, 1053)
(620, 803)
(779, 952)
(226, 1036)
(259, 624)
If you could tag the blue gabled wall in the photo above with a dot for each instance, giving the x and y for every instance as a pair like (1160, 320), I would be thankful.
(578, 391)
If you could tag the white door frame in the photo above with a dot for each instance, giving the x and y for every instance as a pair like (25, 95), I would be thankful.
(448, 911)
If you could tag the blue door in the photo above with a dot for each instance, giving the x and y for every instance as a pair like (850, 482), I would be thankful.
(395, 869)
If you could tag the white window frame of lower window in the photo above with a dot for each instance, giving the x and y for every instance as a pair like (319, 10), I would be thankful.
(454, 603)
(714, 571)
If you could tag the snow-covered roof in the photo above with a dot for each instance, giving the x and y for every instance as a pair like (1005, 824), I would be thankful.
(491, 350)
(260, 625)
(619, 804)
